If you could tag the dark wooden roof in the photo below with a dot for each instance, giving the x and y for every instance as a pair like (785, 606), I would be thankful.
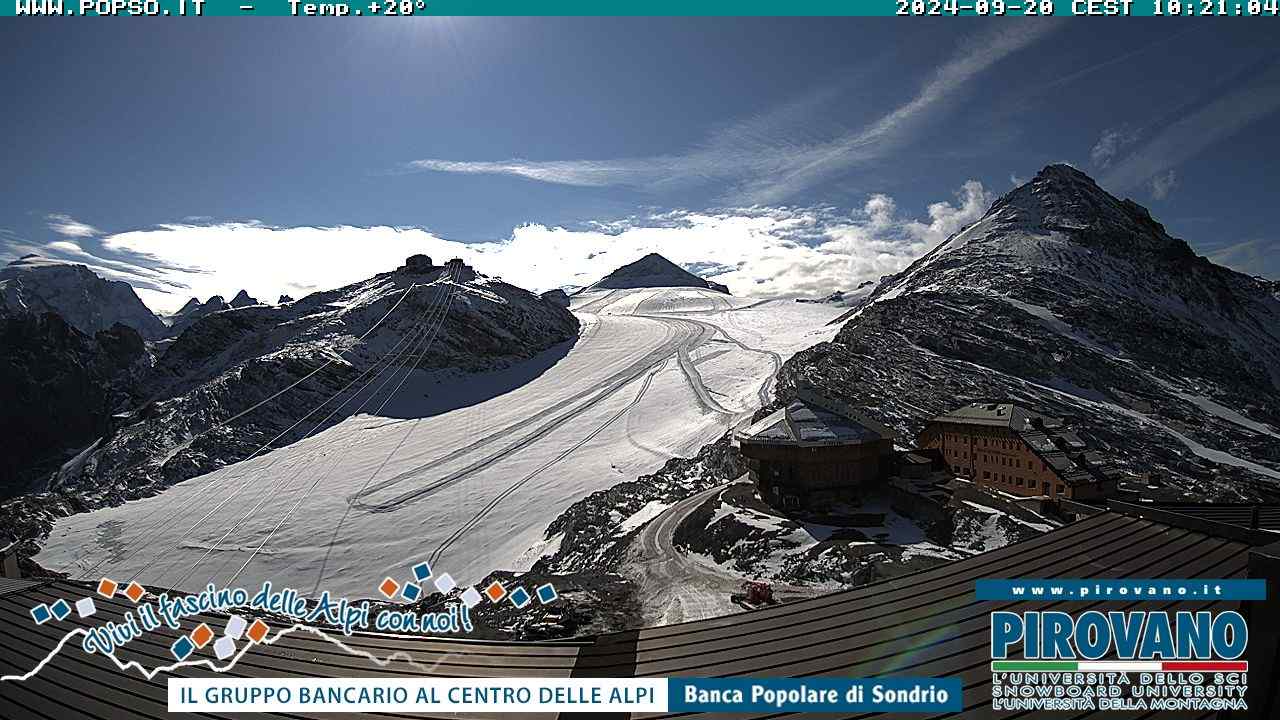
(924, 624)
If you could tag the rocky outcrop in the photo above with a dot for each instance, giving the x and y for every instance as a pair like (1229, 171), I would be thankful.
(59, 389)
(192, 311)
(242, 299)
(556, 297)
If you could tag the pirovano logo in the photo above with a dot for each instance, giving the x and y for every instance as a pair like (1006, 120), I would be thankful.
(1159, 658)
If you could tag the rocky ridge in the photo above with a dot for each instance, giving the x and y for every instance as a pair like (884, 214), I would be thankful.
(1068, 299)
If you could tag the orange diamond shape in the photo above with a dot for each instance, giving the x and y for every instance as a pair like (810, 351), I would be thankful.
(134, 592)
(258, 630)
(107, 588)
(201, 635)
(495, 591)
(389, 588)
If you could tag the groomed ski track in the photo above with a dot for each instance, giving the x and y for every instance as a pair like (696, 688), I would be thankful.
(655, 373)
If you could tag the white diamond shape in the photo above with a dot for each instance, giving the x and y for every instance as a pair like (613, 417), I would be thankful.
(445, 583)
(470, 597)
(235, 627)
(224, 647)
(86, 607)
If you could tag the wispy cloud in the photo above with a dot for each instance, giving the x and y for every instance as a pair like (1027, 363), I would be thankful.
(760, 251)
(68, 226)
(1163, 184)
(1252, 257)
(777, 155)
(1202, 129)
(1111, 143)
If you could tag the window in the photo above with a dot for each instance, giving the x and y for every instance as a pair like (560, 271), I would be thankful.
(986, 474)
(1019, 482)
(1060, 488)
(1046, 487)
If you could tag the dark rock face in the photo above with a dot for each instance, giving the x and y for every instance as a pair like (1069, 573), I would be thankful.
(1070, 300)
(58, 390)
(653, 270)
(284, 299)
(556, 297)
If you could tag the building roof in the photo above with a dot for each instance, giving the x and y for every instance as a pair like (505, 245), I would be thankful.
(926, 624)
(812, 420)
(998, 414)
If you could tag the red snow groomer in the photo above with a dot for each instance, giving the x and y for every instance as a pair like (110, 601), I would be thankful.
(755, 594)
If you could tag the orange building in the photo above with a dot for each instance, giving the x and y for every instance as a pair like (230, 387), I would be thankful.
(1009, 448)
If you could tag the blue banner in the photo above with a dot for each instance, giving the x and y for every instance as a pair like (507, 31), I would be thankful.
(1128, 589)
(741, 695)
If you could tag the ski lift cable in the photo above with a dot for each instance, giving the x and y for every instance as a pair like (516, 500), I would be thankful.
(164, 521)
(285, 518)
(243, 468)
(270, 490)
(346, 513)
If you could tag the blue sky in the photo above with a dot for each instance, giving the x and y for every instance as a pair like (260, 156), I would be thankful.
(785, 155)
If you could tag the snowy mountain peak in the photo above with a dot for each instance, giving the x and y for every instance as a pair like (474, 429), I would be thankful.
(191, 304)
(89, 303)
(1080, 303)
(654, 270)
(1061, 198)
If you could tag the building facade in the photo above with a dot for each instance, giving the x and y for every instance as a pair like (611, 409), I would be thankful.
(1006, 447)
(814, 452)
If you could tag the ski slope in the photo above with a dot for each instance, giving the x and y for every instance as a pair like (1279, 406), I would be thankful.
(464, 470)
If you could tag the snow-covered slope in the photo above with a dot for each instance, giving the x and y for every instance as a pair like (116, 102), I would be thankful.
(1065, 297)
(466, 470)
(653, 271)
(248, 379)
(89, 303)
(227, 362)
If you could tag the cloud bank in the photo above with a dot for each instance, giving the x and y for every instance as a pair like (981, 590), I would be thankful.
(755, 251)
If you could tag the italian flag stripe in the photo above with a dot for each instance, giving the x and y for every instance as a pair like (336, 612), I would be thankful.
(1118, 666)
